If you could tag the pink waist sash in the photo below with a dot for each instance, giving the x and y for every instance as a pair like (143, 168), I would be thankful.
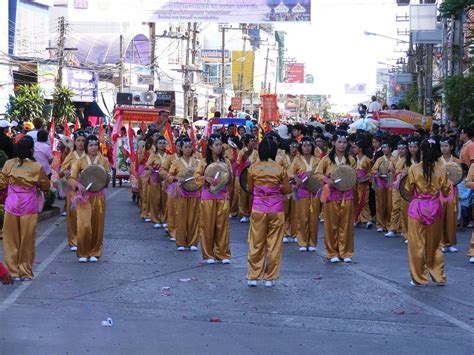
(336, 195)
(301, 192)
(381, 183)
(22, 200)
(154, 176)
(207, 195)
(426, 208)
(83, 199)
(141, 170)
(267, 199)
(183, 193)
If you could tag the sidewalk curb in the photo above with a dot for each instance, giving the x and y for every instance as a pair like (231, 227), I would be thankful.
(54, 211)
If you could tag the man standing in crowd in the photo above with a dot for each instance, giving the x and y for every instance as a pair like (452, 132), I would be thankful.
(467, 150)
(6, 143)
(374, 106)
(38, 125)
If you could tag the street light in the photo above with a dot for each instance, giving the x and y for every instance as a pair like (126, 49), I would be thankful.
(367, 33)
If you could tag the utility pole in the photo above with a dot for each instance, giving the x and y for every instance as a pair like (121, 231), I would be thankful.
(186, 85)
(266, 71)
(193, 61)
(241, 81)
(121, 64)
(61, 44)
(152, 36)
(223, 69)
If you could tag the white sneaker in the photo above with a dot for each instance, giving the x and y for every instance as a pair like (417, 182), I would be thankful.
(295, 240)
(321, 220)
(471, 259)
(252, 283)
(210, 261)
(356, 224)
(157, 225)
(146, 220)
(16, 279)
(83, 260)
(193, 248)
(469, 225)
(269, 283)
(335, 260)
(172, 239)
(244, 220)
(406, 241)
(286, 240)
(225, 261)
(165, 225)
(390, 234)
(26, 279)
(303, 249)
(416, 285)
(73, 248)
(347, 260)
(64, 214)
(452, 249)
(312, 249)
(93, 259)
(369, 225)
(181, 248)
(379, 230)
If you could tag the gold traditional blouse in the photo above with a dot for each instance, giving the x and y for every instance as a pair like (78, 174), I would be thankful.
(268, 173)
(326, 166)
(301, 165)
(28, 174)
(178, 165)
(439, 180)
(69, 161)
(79, 165)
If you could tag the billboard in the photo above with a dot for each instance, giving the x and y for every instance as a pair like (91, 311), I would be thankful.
(220, 11)
(247, 58)
(295, 73)
(214, 55)
(355, 89)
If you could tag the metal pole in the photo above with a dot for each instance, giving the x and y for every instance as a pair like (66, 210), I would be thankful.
(241, 86)
(61, 42)
(429, 80)
(121, 64)
(223, 70)
(186, 76)
(152, 32)
(266, 71)
(193, 61)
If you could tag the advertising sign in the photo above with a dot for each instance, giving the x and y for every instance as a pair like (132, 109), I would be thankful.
(236, 103)
(295, 73)
(269, 107)
(214, 55)
(220, 11)
(355, 89)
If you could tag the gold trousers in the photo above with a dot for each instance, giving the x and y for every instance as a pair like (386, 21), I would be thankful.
(171, 215)
(364, 215)
(291, 218)
(245, 201)
(308, 210)
(187, 227)
(396, 214)
(214, 220)
(144, 197)
(450, 222)
(19, 244)
(471, 248)
(156, 201)
(383, 203)
(234, 198)
(404, 217)
(424, 252)
(90, 227)
(339, 228)
(71, 220)
(265, 245)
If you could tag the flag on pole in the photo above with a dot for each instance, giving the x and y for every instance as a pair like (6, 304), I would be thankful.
(66, 130)
(77, 125)
(168, 134)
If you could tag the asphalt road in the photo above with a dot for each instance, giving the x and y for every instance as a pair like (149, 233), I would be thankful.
(166, 302)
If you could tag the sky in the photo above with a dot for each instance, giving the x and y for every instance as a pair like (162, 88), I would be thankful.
(335, 49)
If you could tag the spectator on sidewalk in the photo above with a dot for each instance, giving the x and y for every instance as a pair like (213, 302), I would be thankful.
(43, 154)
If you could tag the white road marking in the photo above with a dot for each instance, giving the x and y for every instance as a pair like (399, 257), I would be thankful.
(11, 299)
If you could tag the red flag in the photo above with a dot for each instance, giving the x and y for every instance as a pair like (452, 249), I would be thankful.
(375, 115)
(67, 132)
(133, 154)
(77, 125)
(101, 130)
(52, 131)
(143, 128)
(193, 136)
(168, 134)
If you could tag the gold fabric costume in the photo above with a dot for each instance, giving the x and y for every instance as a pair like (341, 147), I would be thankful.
(66, 166)
(364, 216)
(19, 232)
(266, 228)
(170, 212)
(291, 219)
(450, 220)
(156, 196)
(470, 178)
(245, 200)
(338, 215)
(187, 208)
(424, 241)
(91, 212)
(214, 219)
(234, 189)
(308, 208)
(383, 198)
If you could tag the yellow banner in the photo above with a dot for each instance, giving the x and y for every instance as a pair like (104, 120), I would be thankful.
(245, 61)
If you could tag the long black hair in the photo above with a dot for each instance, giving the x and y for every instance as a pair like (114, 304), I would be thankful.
(212, 138)
(24, 149)
(267, 149)
(363, 147)
(409, 156)
(431, 152)
(332, 152)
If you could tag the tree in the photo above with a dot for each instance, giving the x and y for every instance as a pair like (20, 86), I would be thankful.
(411, 101)
(28, 103)
(63, 105)
(459, 93)
(454, 8)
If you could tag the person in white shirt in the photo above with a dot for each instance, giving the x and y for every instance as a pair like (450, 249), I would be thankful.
(374, 106)
(38, 123)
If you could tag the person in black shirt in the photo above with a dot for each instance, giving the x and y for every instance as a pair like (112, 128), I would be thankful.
(6, 143)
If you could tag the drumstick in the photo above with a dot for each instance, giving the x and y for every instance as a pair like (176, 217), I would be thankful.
(337, 181)
(217, 175)
(89, 186)
(305, 178)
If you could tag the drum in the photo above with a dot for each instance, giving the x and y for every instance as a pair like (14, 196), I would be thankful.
(312, 184)
(455, 173)
(344, 178)
(406, 195)
(94, 178)
(186, 179)
(243, 180)
(66, 141)
(220, 172)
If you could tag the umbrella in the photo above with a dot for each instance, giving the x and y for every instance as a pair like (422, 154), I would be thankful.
(395, 125)
(201, 123)
(365, 124)
(413, 118)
